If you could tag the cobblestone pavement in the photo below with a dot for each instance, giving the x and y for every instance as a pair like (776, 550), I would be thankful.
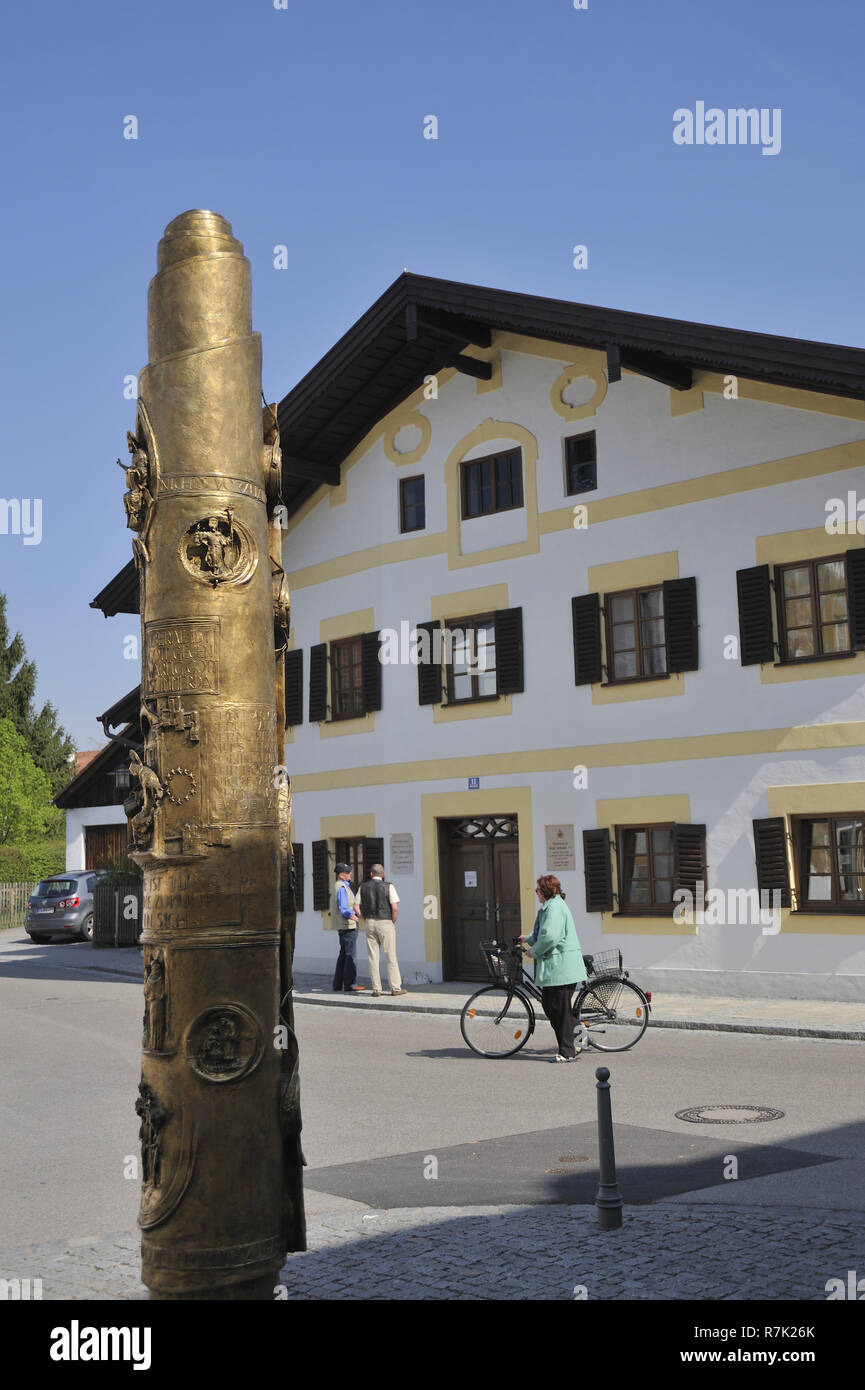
(698, 1251)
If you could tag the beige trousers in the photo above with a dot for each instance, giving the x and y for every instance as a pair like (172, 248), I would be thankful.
(382, 934)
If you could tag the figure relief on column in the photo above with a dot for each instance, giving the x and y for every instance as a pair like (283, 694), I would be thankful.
(141, 475)
(219, 549)
(155, 1000)
(143, 802)
(164, 1179)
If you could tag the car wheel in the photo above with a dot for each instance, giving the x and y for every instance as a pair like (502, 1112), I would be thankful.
(42, 940)
(87, 928)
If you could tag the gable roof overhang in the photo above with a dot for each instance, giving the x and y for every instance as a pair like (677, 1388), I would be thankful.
(120, 594)
(124, 711)
(421, 324)
(113, 755)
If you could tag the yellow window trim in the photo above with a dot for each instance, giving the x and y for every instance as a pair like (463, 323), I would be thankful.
(334, 630)
(484, 709)
(488, 431)
(333, 828)
(784, 548)
(613, 578)
(816, 799)
(346, 625)
(465, 603)
(641, 810)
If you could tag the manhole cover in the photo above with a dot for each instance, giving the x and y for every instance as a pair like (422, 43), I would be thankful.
(566, 1158)
(728, 1114)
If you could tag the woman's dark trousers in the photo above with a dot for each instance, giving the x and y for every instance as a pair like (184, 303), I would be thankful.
(346, 970)
(556, 1000)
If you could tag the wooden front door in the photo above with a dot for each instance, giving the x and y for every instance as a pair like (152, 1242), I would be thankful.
(104, 845)
(480, 882)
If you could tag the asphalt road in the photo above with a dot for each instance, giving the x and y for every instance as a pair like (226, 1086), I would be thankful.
(378, 1085)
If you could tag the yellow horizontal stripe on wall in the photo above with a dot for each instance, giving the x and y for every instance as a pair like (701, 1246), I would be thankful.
(643, 752)
(703, 489)
(389, 553)
(795, 468)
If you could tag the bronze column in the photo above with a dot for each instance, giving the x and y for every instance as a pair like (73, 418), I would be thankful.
(218, 1104)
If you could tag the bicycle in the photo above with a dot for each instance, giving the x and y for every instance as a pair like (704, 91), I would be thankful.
(499, 1019)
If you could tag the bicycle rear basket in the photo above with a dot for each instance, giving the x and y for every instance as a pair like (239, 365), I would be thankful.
(604, 963)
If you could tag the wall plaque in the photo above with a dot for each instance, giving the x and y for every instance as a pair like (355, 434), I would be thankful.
(560, 847)
(401, 857)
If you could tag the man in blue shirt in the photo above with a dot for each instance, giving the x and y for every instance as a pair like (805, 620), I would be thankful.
(346, 911)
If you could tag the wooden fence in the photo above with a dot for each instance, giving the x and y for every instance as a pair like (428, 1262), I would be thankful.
(13, 900)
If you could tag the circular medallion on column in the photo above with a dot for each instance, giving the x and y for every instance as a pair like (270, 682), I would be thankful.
(224, 1043)
(180, 785)
(218, 549)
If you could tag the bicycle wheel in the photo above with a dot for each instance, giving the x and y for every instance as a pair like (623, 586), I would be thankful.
(614, 1012)
(497, 1022)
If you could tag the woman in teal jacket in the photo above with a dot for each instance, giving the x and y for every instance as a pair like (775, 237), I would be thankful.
(555, 948)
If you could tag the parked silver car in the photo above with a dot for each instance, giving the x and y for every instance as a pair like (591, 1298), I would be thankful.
(62, 906)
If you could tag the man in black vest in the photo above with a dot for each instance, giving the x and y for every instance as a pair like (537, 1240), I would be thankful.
(379, 908)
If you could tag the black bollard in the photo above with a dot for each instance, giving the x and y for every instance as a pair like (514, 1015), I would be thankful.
(609, 1199)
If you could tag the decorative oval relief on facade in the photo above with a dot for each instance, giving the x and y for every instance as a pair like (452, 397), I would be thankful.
(578, 391)
(407, 438)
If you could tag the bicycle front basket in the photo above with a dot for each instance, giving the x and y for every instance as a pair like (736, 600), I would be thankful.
(496, 961)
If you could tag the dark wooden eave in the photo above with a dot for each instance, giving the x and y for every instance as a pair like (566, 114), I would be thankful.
(420, 325)
(124, 711)
(111, 756)
(120, 594)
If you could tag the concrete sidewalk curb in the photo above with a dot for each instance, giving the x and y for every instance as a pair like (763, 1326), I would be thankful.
(702, 1025)
(697, 1025)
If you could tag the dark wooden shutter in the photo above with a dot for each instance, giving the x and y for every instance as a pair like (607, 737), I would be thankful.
(689, 858)
(293, 688)
(856, 594)
(508, 623)
(770, 850)
(754, 588)
(298, 876)
(680, 624)
(373, 852)
(598, 870)
(320, 876)
(370, 668)
(429, 673)
(586, 613)
(318, 683)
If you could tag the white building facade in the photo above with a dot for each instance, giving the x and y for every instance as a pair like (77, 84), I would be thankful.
(636, 708)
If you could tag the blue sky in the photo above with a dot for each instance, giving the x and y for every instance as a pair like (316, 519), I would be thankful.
(304, 127)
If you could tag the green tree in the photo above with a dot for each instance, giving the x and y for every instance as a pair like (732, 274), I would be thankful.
(48, 743)
(25, 792)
